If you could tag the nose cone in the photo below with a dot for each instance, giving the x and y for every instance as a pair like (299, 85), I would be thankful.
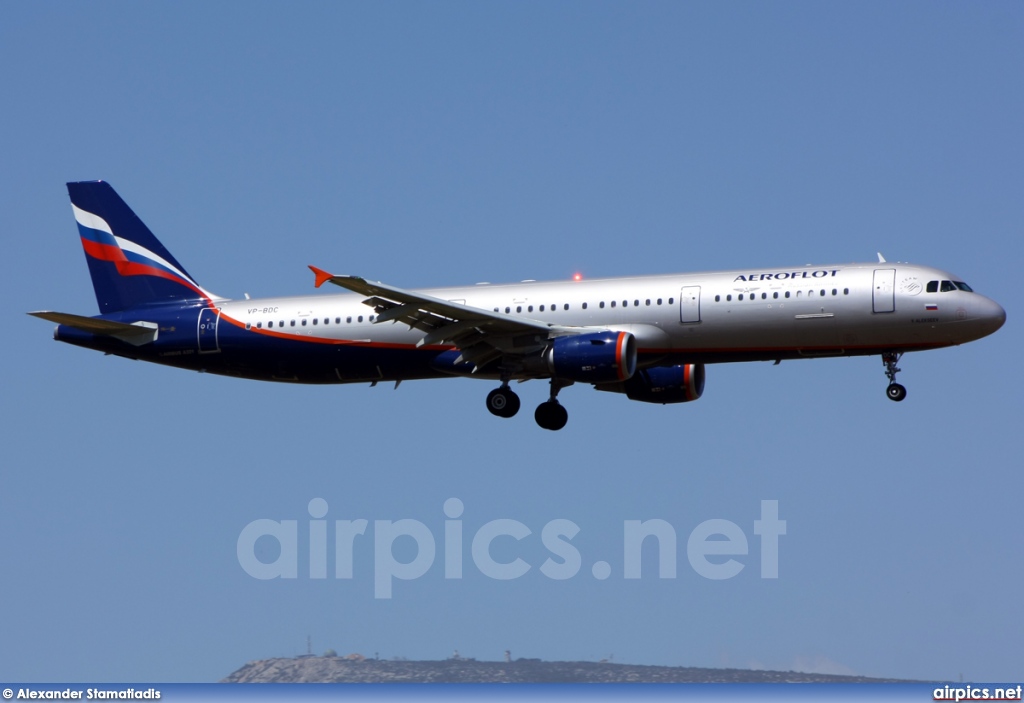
(990, 315)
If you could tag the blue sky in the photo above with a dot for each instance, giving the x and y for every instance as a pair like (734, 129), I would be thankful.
(448, 143)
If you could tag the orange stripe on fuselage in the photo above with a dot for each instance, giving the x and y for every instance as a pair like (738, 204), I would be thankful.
(324, 340)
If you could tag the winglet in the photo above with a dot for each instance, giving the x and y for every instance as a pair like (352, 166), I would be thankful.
(321, 276)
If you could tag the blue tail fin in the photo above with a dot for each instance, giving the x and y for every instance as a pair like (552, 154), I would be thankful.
(129, 266)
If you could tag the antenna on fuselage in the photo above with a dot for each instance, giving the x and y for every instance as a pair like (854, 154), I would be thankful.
(881, 259)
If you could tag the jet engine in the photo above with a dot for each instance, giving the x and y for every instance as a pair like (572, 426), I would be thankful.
(662, 384)
(599, 357)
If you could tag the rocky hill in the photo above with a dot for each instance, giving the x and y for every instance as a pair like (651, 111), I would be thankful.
(354, 669)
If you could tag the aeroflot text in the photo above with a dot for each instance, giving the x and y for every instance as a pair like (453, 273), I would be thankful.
(710, 547)
(786, 275)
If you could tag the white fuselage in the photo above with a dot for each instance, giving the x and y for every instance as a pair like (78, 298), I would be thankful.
(843, 309)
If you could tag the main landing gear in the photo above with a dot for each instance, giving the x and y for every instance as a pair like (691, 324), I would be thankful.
(550, 415)
(503, 401)
(895, 391)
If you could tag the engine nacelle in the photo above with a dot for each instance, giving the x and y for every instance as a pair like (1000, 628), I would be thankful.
(600, 357)
(662, 384)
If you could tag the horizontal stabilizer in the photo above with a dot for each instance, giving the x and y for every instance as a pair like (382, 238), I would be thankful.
(135, 333)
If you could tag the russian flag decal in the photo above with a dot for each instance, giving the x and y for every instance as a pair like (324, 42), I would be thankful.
(931, 307)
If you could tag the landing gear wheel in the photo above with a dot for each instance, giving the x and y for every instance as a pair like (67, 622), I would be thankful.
(503, 402)
(896, 392)
(550, 415)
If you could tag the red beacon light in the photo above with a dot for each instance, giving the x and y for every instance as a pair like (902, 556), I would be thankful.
(577, 277)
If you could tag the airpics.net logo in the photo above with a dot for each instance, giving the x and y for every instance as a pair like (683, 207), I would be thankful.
(714, 548)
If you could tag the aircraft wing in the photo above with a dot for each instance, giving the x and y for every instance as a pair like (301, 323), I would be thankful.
(481, 335)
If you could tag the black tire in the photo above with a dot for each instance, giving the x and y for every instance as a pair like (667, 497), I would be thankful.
(896, 392)
(503, 402)
(551, 415)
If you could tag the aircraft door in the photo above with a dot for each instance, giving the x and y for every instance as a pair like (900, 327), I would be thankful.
(883, 297)
(207, 330)
(689, 304)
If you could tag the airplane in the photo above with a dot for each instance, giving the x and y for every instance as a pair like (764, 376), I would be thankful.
(647, 337)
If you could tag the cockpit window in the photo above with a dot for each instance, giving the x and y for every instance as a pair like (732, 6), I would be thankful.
(947, 286)
(933, 287)
(963, 286)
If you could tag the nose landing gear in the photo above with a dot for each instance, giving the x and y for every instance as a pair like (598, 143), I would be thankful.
(894, 391)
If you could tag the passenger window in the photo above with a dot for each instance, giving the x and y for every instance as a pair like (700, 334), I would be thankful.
(648, 301)
(529, 309)
(566, 306)
(835, 292)
(613, 303)
(584, 306)
(508, 309)
(775, 295)
(360, 318)
(542, 308)
(741, 296)
(270, 325)
(671, 301)
(314, 320)
(729, 297)
(764, 296)
(519, 308)
(601, 304)
(348, 319)
(718, 298)
(293, 323)
(659, 301)
(846, 291)
(636, 303)
(787, 293)
(822, 292)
